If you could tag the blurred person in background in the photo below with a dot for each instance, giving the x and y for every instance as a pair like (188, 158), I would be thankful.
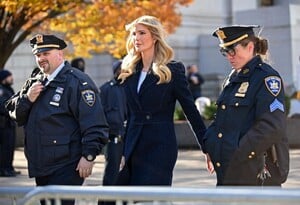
(7, 127)
(113, 100)
(195, 81)
(78, 63)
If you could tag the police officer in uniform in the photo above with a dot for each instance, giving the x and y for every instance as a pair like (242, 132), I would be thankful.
(247, 139)
(7, 127)
(60, 109)
(114, 104)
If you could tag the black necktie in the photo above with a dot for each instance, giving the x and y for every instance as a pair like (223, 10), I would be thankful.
(233, 75)
(45, 81)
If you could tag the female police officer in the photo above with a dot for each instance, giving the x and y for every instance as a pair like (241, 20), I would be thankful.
(250, 118)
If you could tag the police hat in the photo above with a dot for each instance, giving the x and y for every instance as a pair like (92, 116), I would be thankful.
(41, 43)
(116, 65)
(233, 34)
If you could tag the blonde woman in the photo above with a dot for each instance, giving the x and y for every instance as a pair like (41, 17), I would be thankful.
(153, 83)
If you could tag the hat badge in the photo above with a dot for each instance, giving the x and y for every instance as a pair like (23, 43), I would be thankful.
(39, 38)
(221, 34)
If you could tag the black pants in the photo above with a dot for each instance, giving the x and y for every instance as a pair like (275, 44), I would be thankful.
(113, 157)
(7, 148)
(64, 176)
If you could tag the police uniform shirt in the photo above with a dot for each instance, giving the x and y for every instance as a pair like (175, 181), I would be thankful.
(54, 74)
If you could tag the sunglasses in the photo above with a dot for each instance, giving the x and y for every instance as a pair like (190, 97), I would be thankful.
(229, 50)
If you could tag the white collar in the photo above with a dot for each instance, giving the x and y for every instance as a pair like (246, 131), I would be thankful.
(54, 74)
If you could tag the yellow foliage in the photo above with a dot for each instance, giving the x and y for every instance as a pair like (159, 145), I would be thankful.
(96, 25)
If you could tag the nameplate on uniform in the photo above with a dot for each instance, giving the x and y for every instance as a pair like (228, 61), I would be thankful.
(273, 84)
(54, 103)
(241, 95)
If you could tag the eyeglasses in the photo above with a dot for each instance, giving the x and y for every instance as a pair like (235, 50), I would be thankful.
(229, 50)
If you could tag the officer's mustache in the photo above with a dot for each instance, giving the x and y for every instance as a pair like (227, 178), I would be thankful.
(43, 62)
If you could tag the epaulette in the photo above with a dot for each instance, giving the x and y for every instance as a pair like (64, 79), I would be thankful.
(82, 77)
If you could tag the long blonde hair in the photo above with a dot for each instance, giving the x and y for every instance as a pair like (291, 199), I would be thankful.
(163, 53)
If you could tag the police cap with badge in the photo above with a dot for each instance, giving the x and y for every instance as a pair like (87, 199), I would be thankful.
(41, 43)
(230, 36)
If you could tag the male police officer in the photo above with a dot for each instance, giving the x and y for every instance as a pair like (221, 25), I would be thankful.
(60, 108)
(7, 127)
(114, 103)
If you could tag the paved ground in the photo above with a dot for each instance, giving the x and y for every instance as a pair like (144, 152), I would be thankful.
(190, 171)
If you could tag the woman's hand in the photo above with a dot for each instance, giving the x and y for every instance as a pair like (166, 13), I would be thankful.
(209, 165)
(122, 164)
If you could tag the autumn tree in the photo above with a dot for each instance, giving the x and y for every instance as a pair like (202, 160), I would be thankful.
(89, 27)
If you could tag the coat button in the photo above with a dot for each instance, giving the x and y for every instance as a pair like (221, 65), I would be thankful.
(54, 141)
(250, 156)
(218, 164)
(223, 107)
(252, 153)
(220, 135)
(148, 117)
(237, 104)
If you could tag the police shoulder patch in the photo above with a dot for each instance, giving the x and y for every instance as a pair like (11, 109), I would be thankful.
(273, 84)
(89, 97)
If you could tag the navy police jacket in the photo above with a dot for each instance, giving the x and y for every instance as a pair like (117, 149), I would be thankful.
(6, 91)
(113, 100)
(65, 123)
(250, 118)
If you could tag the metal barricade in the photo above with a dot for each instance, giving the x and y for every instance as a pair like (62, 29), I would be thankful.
(12, 194)
(163, 195)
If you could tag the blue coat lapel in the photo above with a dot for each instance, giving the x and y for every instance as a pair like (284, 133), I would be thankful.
(132, 84)
(148, 82)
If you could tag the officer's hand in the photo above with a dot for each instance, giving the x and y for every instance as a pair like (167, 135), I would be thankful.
(34, 91)
(84, 167)
(122, 164)
(209, 165)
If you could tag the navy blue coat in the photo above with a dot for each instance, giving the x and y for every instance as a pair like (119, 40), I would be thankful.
(150, 142)
(65, 123)
(250, 118)
(6, 92)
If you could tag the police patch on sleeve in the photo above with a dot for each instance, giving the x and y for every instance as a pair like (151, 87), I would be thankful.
(88, 97)
(273, 83)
